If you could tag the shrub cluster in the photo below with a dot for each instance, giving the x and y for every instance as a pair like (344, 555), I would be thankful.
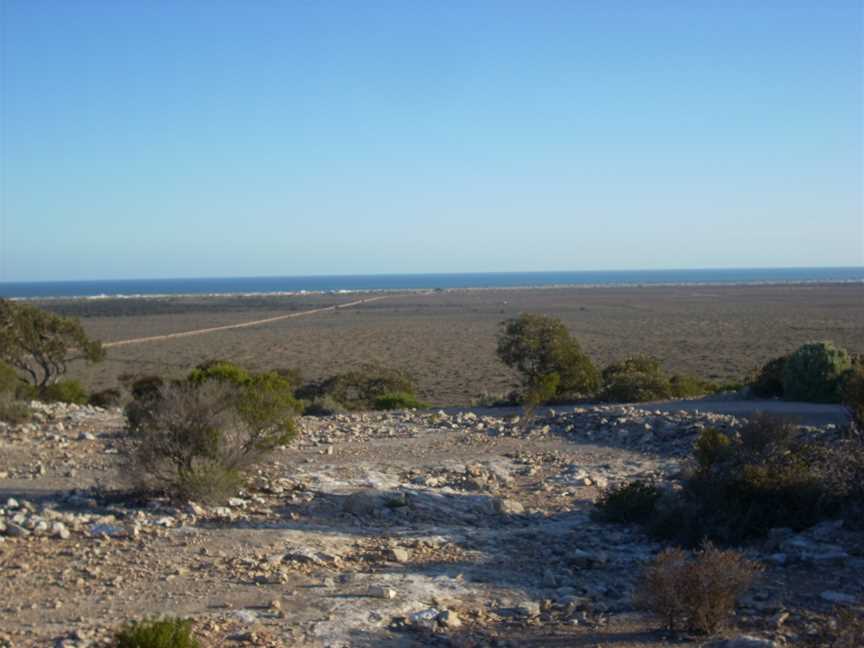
(852, 394)
(64, 391)
(197, 437)
(642, 378)
(697, 593)
(742, 485)
(157, 633)
(367, 388)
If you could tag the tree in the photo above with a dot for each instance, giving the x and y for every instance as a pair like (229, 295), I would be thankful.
(41, 344)
(549, 359)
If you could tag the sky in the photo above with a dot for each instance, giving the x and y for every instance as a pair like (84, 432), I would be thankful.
(232, 138)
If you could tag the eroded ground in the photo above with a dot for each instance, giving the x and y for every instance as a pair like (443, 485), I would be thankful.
(403, 529)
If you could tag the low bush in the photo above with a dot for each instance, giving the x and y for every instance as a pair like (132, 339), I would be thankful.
(844, 628)
(635, 379)
(695, 593)
(633, 502)
(813, 373)
(105, 398)
(767, 381)
(684, 386)
(359, 389)
(291, 374)
(157, 633)
(12, 411)
(323, 406)
(9, 380)
(712, 448)
(195, 439)
(64, 391)
(398, 400)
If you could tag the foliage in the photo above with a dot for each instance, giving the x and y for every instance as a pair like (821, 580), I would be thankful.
(64, 391)
(142, 386)
(398, 400)
(813, 372)
(695, 593)
(635, 379)
(762, 478)
(9, 380)
(684, 386)
(538, 347)
(844, 628)
(359, 389)
(196, 438)
(323, 406)
(219, 370)
(40, 344)
(628, 503)
(767, 382)
(105, 398)
(291, 374)
(157, 633)
(712, 448)
(12, 411)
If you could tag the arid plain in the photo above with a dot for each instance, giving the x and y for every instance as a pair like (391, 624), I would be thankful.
(446, 340)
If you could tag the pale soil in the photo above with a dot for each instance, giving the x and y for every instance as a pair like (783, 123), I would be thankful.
(220, 570)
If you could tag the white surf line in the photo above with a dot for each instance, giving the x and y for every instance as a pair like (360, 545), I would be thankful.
(227, 327)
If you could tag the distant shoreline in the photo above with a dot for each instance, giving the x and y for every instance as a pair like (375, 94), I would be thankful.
(376, 291)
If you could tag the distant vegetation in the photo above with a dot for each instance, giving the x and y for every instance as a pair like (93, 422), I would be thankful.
(157, 633)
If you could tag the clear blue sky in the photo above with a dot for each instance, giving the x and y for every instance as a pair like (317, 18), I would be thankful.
(219, 138)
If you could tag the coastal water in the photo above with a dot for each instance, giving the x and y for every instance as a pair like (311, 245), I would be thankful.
(264, 285)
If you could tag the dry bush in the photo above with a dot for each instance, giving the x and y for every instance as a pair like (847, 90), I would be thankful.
(195, 441)
(698, 593)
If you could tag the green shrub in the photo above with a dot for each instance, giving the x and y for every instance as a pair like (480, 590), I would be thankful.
(156, 633)
(142, 386)
(636, 379)
(291, 374)
(65, 391)
(219, 370)
(323, 406)
(26, 392)
(196, 440)
(767, 382)
(13, 412)
(105, 398)
(683, 386)
(695, 593)
(813, 373)
(398, 400)
(359, 389)
(633, 502)
(537, 347)
(712, 448)
(9, 380)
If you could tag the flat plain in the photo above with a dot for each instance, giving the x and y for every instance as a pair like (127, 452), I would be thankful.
(446, 340)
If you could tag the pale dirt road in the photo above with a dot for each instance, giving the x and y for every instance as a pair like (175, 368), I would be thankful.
(213, 329)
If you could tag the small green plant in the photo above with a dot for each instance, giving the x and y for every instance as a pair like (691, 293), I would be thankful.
(359, 389)
(633, 502)
(767, 382)
(170, 632)
(9, 380)
(323, 406)
(398, 400)
(712, 448)
(12, 411)
(852, 395)
(64, 391)
(813, 373)
(695, 593)
(635, 379)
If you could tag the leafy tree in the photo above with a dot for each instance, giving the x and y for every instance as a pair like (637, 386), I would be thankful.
(41, 344)
(549, 359)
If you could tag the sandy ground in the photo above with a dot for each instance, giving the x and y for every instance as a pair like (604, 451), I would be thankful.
(447, 340)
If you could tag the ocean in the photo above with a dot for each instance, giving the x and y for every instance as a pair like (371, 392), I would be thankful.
(356, 283)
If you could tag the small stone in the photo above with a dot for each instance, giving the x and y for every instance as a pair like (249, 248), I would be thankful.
(505, 506)
(399, 554)
(449, 619)
(378, 591)
(529, 608)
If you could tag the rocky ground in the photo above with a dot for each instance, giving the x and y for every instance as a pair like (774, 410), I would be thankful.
(398, 529)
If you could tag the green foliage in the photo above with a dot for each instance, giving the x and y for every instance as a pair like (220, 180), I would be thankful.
(323, 406)
(813, 373)
(157, 633)
(696, 593)
(539, 347)
(359, 389)
(197, 438)
(684, 386)
(635, 379)
(105, 398)
(398, 400)
(712, 448)
(9, 380)
(767, 382)
(292, 375)
(39, 344)
(12, 411)
(633, 502)
(64, 391)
